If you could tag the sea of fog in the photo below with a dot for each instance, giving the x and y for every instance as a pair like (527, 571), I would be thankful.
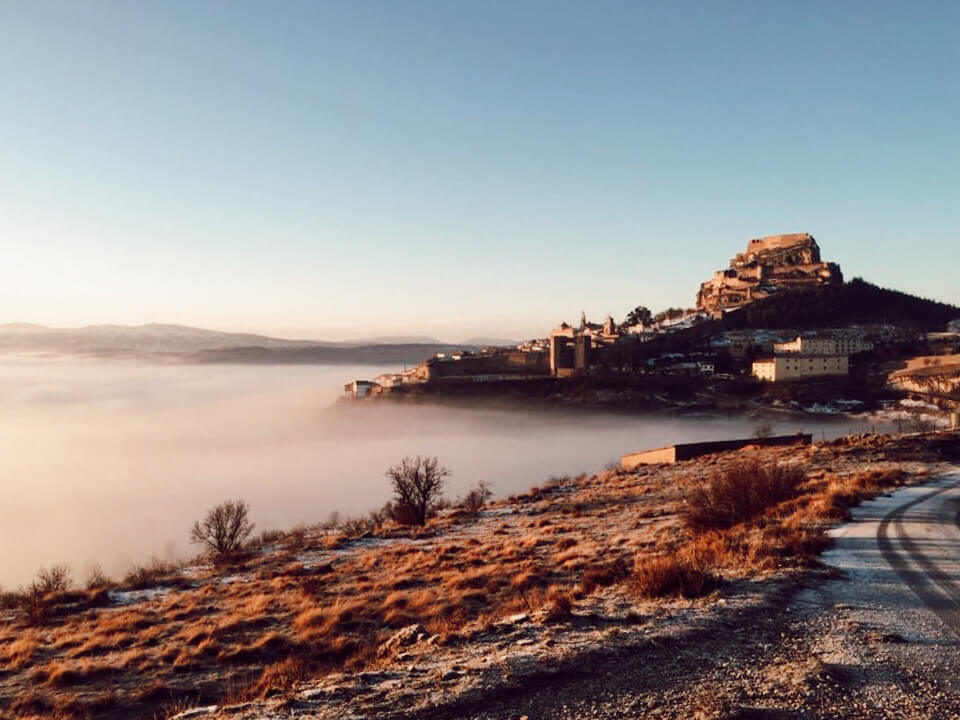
(111, 462)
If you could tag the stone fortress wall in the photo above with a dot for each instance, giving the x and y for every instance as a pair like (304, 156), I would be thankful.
(767, 265)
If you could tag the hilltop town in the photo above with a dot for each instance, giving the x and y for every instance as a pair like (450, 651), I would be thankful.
(777, 329)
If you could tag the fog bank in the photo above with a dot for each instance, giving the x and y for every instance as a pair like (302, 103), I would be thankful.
(111, 462)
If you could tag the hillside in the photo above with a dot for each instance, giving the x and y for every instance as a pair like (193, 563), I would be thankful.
(385, 354)
(180, 343)
(840, 305)
(474, 614)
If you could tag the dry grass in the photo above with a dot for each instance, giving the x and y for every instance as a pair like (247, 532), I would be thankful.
(559, 602)
(317, 602)
(20, 651)
(740, 492)
(736, 527)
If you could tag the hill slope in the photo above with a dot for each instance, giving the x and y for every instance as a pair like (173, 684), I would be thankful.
(180, 343)
(839, 305)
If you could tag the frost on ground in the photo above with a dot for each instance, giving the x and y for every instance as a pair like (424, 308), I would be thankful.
(130, 597)
(522, 609)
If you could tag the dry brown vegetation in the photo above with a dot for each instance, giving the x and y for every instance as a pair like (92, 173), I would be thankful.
(753, 517)
(313, 600)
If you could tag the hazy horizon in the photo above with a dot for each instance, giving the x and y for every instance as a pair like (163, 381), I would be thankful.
(403, 337)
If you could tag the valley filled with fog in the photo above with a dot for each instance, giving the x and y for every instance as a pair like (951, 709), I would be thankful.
(111, 462)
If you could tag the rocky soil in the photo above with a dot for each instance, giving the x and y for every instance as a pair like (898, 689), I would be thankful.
(774, 648)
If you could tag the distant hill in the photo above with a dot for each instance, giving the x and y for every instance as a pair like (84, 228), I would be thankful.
(180, 343)
(840, 305)
(386, 354)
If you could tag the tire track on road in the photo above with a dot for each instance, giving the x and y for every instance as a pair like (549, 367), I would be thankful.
(946, 604)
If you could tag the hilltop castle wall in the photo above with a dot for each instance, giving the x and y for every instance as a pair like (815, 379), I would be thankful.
(767, 265)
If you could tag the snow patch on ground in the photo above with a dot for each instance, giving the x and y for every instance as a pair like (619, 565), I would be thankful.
(231, 579)
(130, 597)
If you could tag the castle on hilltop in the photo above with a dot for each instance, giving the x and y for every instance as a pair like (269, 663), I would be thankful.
(769, 264)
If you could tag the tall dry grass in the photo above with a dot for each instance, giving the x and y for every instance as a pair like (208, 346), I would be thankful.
(751, 517)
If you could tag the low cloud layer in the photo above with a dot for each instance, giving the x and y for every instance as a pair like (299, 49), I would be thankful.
(112, 462)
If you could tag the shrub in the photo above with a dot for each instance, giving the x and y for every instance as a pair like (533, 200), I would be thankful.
(682, 574)
(225, 529)
(142, 576)
(296, 538)
(34, 604)
(559, 603)
(268, 537)
(417, 484)
(741, 492)
(96, 578)
(356, 527)
(37, 599)
(279, 676)
(54, 580)
(478, 497)
(604, 575)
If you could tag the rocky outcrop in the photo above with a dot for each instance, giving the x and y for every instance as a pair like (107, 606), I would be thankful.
(768, 265)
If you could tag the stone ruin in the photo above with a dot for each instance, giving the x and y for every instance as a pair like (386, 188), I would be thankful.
(769, 264)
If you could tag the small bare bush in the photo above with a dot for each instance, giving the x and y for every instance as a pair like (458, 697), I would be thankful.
(96, 579)
(225, 529)
(417, 486)
(153, 573)
(357, 527)
(477, 497)
(38, 599)
(53, 580)
(296, 538)
(34, 604)
(268, 537)
(741, 492)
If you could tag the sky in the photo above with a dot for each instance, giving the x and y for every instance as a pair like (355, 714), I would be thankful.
(455, 169)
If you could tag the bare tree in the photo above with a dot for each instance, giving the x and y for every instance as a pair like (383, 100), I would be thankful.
(225, 529)
(417, 484)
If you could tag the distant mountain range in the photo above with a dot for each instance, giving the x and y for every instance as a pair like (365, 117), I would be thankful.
(179, 343)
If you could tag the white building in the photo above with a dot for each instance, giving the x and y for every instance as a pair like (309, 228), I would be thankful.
(796, 366)
(358, 388)
(824, 345)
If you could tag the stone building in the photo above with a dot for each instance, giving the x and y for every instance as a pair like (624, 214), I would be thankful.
(574, 350)
(360, 388)
(839, 344)
(797, 366)
(766, 266)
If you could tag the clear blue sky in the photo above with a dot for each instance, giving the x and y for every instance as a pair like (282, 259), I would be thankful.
(461, 168)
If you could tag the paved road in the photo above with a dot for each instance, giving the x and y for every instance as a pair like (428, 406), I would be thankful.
(900, 559)
(920, 540)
